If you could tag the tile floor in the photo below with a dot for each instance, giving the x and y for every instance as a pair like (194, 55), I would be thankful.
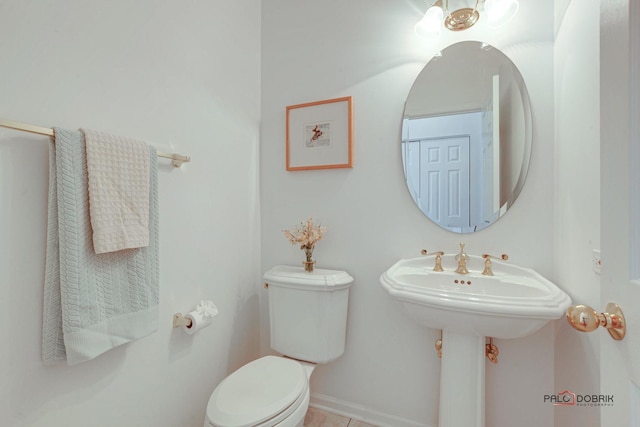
(317, 418)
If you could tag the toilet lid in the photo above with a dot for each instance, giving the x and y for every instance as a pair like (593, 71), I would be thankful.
(256, 392)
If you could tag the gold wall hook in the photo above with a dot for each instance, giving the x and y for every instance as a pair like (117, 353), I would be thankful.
(439, 346)
(586, 319)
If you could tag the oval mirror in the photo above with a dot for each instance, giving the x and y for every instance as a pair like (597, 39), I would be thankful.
(466, 137)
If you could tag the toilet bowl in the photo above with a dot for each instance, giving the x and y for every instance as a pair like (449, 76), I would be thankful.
(268, 392)
(307, 319)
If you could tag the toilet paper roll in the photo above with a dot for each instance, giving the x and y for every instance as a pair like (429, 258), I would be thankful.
(198, 321)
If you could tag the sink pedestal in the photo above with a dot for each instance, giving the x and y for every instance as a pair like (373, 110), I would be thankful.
(462, 380)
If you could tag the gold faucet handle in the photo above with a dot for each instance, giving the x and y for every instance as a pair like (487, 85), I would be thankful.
(503, 257)
(487, 263)
(438, 255)
(425, 252)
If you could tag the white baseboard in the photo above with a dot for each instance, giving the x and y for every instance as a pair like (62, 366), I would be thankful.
(359, 412)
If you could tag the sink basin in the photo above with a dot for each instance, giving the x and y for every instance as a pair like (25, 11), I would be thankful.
(513, 303)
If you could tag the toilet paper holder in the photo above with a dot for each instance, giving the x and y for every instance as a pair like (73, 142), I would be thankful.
(201, 317)
(179, 321)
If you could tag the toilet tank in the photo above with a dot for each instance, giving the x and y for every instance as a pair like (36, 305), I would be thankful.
(308, 312)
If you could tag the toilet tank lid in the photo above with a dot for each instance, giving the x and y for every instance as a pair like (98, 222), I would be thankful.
(296, 276)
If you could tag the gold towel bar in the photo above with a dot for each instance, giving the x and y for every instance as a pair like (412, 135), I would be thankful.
(177, 159)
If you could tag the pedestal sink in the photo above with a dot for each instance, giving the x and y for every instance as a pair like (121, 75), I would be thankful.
(513, 303)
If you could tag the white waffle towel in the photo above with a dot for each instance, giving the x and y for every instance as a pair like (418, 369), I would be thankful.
(118, 170)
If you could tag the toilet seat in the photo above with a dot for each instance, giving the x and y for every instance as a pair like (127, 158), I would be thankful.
(261, 393)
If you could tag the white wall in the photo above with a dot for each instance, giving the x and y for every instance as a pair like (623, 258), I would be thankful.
(577, 197)
(367, 49)
(166, 73)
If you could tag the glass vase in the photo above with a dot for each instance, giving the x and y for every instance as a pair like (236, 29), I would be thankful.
(309, 264)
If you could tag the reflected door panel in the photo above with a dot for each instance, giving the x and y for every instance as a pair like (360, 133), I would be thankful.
(437, 173)
(446, 171)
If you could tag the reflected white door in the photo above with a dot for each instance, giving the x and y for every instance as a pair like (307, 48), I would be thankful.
(444, 181)
(620, 208)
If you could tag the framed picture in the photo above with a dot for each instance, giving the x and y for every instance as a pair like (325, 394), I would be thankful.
(320, 135)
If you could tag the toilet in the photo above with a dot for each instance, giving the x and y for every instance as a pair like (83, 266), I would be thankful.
(308, 321)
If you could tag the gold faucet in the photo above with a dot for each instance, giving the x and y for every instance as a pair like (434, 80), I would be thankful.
(487, 263)
(438, 265)
(462, 258)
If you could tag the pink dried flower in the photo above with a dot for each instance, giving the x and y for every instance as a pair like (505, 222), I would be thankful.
(306, 234)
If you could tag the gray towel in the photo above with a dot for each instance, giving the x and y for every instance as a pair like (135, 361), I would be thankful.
(92, 302)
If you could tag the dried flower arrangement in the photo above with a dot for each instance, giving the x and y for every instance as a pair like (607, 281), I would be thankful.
(306, 234)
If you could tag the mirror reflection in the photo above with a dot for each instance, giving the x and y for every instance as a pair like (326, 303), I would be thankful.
(466, 137)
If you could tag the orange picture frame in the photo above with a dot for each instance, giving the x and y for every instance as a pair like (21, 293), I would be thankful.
(320, 135)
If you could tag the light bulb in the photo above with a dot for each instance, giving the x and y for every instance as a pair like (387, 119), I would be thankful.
(500, 12)
(431, 24)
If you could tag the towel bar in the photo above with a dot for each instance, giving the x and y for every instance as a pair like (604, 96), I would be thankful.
(177, 160)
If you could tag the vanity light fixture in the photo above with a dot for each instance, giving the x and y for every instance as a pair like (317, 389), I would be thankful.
(430, 24)
(498, 12)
